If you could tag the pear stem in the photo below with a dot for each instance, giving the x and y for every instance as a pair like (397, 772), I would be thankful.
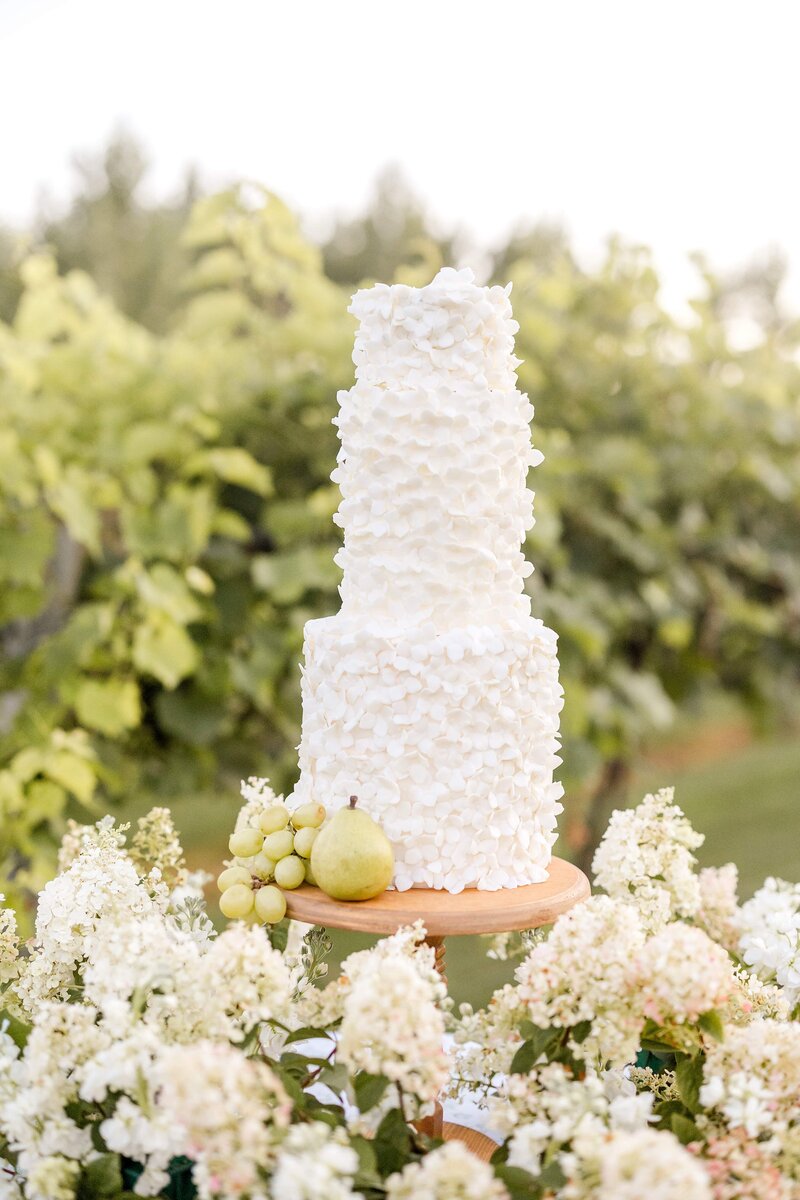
(353, 801)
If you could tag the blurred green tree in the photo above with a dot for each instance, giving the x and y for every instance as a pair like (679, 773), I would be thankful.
(392, 240)
(165, 511)
(129, 244)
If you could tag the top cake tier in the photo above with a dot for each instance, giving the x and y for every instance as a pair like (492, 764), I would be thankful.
(434, 458)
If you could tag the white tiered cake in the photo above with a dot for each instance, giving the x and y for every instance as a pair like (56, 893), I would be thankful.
(433, 695)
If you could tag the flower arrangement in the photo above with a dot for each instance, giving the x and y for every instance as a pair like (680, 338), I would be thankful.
(648, 1046)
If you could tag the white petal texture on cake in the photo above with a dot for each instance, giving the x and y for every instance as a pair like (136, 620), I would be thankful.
(433, 695)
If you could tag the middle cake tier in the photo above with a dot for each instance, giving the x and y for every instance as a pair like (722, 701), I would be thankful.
(449, 740)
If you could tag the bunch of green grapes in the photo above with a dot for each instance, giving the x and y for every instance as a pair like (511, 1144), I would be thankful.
(277, 849)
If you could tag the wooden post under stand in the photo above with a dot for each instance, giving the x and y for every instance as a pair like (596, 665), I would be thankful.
(443, 914)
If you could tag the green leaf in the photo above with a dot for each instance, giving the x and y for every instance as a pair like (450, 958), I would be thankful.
(108, 705)
(16, 1030)
(336, 1077)
(580, 1032)
(520, 1184)
(288, 575)
(552, 1177)
(101, 1179)
(162, 588)
(279, 935)
(685, 1130)
(689, 1078)
(232, 465)
(190, 716)
(45, 800)
(392, 1143)
(69, 501)
(711, 1023)
(73, 773)
(369, 1090)
(367, 1174)
(541, 1042)
(306, 1033)
(163, 649)
(523, 1060)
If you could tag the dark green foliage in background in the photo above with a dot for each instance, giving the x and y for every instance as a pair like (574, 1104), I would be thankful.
(165, 506)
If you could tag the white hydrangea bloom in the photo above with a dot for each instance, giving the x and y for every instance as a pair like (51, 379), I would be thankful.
(392, 1026)
(53, 1178)
(315, 1161)
(233, 1112)
(756, 999)
(583, 973)
(486, 1041)
(9, 943)
(10, 1185)
(548, 1108)
(645, 856)
(148, 1136)
(46, 1079)
(626, 1165)
(753, 1077)
(101, 892)
(245, 981)
(770, 935)
(682, 973)
(628, 1108)
(156, 843)
(718, 912)
(450, 1172)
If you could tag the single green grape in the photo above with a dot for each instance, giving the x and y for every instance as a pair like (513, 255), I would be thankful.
(236, 902)
(232, 875)
(310, 874)
(263, 866)
(290, 872)
(308, 816)
(274, 818)
(304, 840)
(270, 904)
(278, 845)
(246, 842)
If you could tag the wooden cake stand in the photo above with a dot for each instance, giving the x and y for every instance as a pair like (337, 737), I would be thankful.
(471, 911)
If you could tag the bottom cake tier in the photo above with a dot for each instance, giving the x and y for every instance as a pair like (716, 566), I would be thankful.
(449, 740)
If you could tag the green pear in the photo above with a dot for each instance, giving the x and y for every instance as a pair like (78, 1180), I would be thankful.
(352, 857)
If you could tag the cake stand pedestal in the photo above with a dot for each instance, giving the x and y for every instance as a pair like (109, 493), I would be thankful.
(443, 914)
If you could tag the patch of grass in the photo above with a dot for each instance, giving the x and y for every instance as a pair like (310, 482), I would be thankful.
(747, 805)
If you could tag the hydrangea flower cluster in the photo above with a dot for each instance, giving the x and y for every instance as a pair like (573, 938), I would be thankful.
(690, 997)
(141, 1037)
(393, 1026)
(769, 926)
(629, 1165)
(316, 1160)
(140, 1040)
(449, 1173)
(584, 973)
(232, 1112)
(9, 943)
(646, 855)
(737, 1168)
(753, 1077)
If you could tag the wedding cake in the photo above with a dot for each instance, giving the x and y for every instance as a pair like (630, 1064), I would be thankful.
(433, 694)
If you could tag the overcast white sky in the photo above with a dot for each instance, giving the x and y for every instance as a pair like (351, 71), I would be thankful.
(669, 121)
